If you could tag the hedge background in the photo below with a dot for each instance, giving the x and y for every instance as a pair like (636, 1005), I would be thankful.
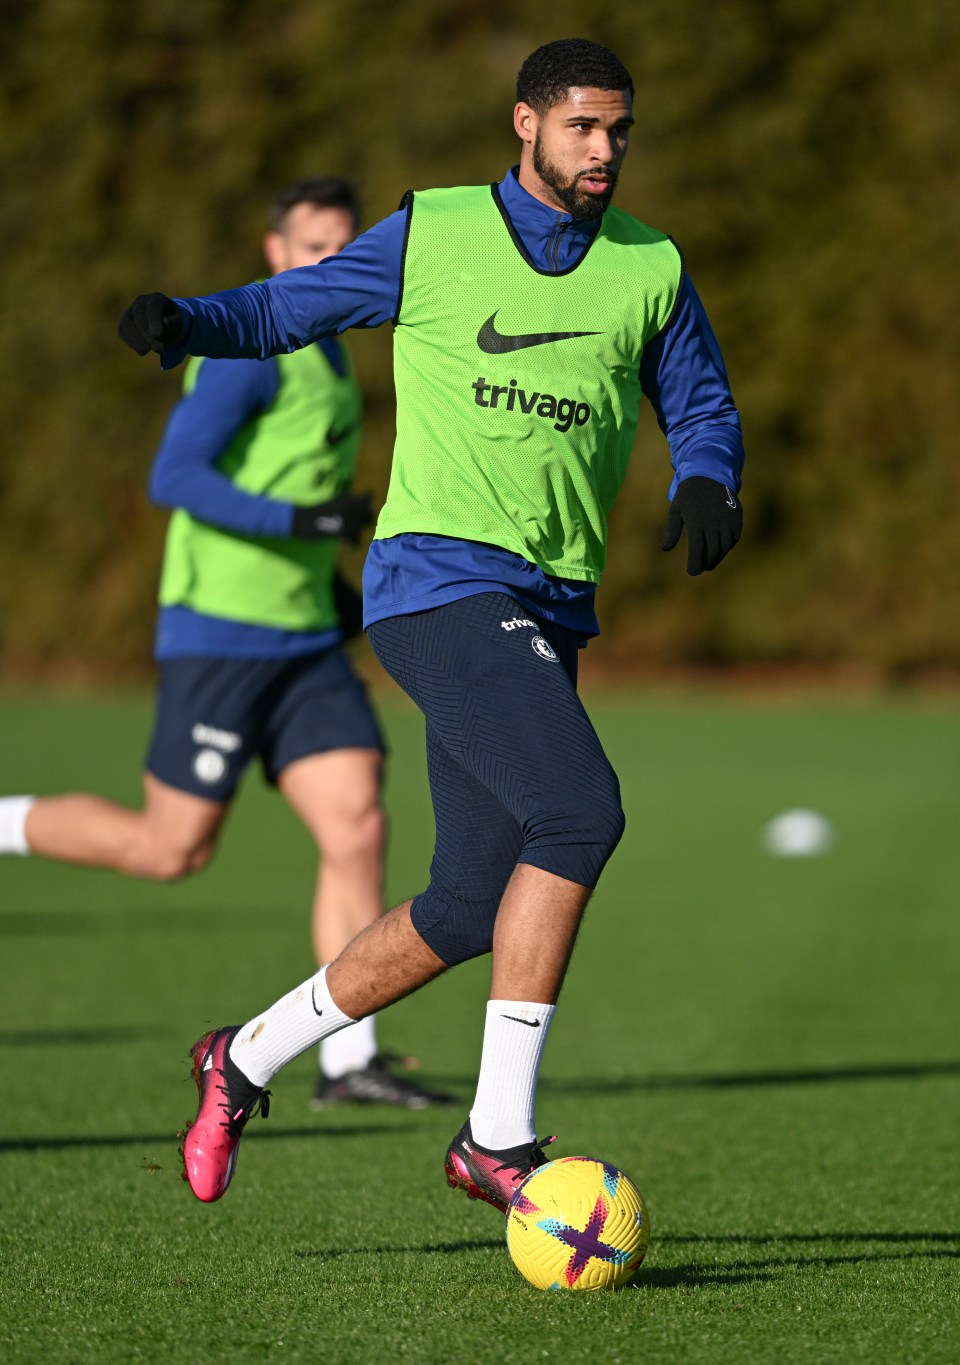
(804, 154)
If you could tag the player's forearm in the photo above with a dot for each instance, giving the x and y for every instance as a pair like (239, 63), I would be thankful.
(684, 378)
(712, 448)
(235, 324)
(208, 496)
(358, 287)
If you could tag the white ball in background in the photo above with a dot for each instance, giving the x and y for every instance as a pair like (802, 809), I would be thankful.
(798, 834)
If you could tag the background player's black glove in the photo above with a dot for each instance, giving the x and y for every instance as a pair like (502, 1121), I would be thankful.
(151, 322)
(343, 518)
(712, 514)
(349, 605)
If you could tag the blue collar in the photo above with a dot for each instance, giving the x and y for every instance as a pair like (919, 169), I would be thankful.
(555, 241)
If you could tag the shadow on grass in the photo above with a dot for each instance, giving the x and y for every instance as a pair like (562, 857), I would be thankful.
(772, 1238)
(572, 1085)
(765, 1269)
(45, 923)
(612, 1085)
(118, 921)
(72, 1037)
(692, 1275)
(630, 1085)
(56, 1144)
(420, 1249)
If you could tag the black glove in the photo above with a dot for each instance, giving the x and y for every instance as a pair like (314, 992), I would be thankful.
(713, 517)
(151, 322)
(349, 605)
(343, 517)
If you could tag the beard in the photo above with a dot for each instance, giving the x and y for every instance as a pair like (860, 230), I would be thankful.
(578, 202)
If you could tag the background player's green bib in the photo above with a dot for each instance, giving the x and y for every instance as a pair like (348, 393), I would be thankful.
(302, 449)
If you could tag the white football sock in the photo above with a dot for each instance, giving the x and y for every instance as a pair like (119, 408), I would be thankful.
(351, 1049)
(296, 1022)
(13, 815)
(513, 1041)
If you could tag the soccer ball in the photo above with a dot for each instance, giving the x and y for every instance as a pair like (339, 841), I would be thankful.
(576, 1223)
(798, 834)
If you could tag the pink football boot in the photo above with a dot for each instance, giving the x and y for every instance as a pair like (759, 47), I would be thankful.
(227, 1100)
(492, 1176)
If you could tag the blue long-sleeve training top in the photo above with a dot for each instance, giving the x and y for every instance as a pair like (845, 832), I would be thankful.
(682, 376)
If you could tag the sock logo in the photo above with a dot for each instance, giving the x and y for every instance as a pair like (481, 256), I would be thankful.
(530, 1023)
(567, 411)
(313, 997)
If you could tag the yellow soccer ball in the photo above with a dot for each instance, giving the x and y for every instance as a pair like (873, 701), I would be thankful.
(576, 1223)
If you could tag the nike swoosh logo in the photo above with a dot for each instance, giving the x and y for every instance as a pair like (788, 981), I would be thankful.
(530, 1023)
(731, 499)
(313, 997)
(495, 343)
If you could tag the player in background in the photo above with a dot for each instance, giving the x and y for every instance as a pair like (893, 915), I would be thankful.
(256, 463)
(529, 318)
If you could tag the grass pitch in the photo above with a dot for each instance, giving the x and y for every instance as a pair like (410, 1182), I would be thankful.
(770, 1048)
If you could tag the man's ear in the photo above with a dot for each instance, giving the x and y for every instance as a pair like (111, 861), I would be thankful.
(525, 122)
(273, 250)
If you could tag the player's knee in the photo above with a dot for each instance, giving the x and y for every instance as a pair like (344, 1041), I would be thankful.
(611, 823)
(358, 835)
(575, 839)
(165, 861)
(605, 829)
(455, 928)
(371, 830)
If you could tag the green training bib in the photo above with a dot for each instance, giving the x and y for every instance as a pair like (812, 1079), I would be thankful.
(302, 449)
(518, 391)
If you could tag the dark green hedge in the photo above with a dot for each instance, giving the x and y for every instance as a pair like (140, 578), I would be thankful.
(804, 154)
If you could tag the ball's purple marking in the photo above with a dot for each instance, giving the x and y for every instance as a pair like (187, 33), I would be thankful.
(611, 1178)
(521, 1204)
(586, 1245)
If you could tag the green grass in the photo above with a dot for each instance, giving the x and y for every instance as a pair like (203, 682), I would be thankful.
(770, 1048)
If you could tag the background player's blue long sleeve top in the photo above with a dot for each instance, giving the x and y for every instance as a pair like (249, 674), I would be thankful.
(226, 396)
(682, 375)
(184, 474)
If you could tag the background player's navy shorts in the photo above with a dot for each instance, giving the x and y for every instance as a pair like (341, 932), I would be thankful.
(517, 773)
(214, 715)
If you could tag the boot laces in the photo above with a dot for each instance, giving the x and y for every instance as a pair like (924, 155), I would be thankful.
(237, 1115)
(528, 1161)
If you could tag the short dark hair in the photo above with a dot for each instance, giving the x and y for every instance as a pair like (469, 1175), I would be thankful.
(322, 191)
(555, 68)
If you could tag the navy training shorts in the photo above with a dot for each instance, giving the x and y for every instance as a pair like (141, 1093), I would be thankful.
(517, 772)
(214, 715)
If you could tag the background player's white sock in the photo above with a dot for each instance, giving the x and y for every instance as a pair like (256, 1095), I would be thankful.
(351, 1049)
(513, 1040)
(13, 815)
(296, 1022)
